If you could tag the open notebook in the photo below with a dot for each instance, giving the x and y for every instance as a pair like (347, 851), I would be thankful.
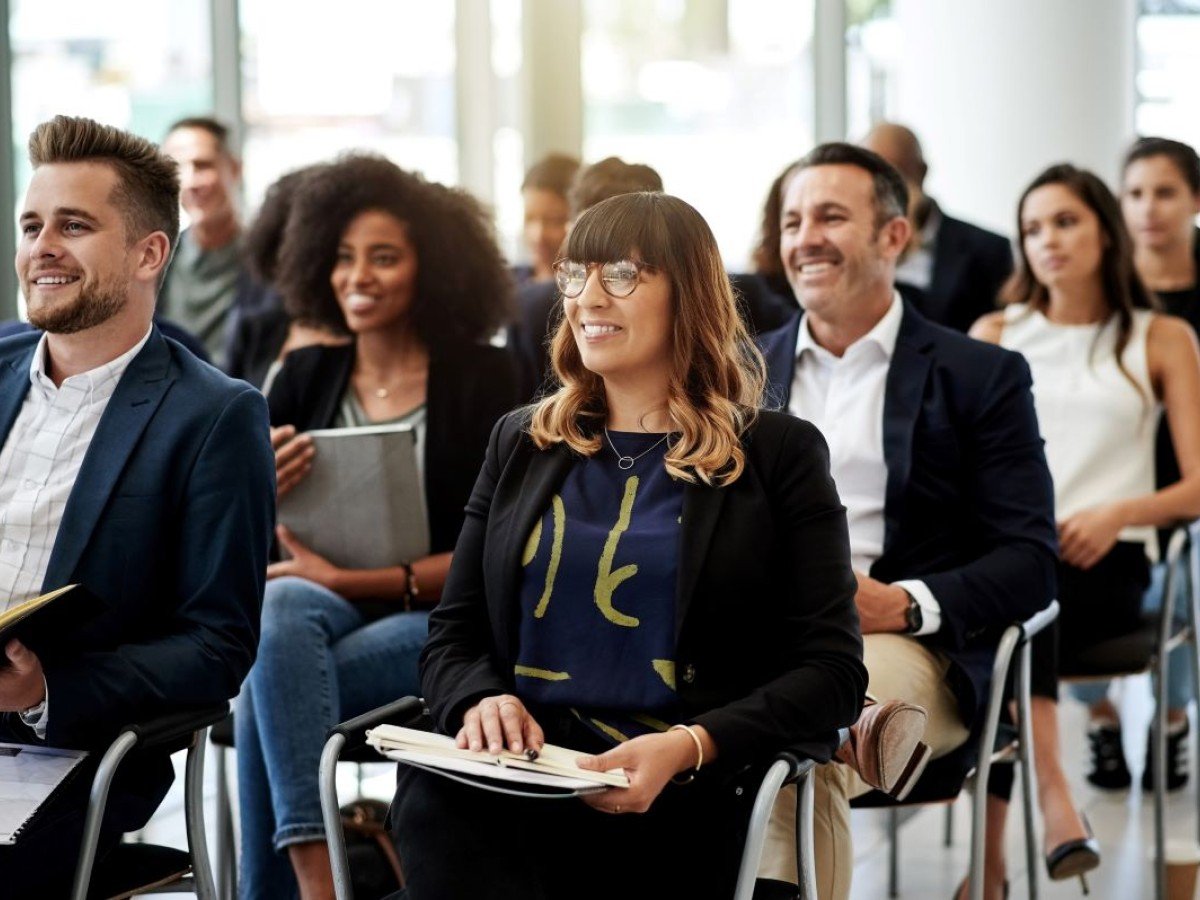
(553, 773)
(28, 776)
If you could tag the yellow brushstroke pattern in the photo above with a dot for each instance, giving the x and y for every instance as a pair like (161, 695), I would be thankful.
(666, 671)
(650, 722)
(607, 581)
(556, 545)
(544, 674)
(610, 731)
(535, 538)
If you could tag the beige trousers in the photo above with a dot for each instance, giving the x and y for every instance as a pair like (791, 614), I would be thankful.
(898, 668)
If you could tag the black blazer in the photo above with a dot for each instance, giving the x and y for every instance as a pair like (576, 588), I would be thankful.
(970, 265)
(470, 387)
(257, 339)
(768, 646)
(970, 505)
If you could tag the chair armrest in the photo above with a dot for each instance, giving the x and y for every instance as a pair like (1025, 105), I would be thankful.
(1039, 620)
(799, 761)
(405, 711)
(176, 729)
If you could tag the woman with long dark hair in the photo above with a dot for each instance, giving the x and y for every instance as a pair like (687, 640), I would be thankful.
(1104, 364)
(652, 572)
(409, 271)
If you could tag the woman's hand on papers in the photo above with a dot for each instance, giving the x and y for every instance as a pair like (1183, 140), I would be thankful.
(650, 761)
(293, 457)
(304, 563)
(499, 723)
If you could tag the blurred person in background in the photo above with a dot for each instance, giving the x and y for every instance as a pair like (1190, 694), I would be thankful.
(958, 268)
(261, 340)
(547, 211)
(207, 288)
(1104, 364)
(410, 272)
(538, 307)
(1160, 199)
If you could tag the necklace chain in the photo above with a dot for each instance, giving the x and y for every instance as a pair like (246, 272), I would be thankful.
(626, 462)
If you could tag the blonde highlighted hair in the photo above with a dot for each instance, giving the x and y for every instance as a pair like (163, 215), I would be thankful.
(717, 373)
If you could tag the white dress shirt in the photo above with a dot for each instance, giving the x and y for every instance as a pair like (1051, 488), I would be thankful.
(843, 396)
(38, 467)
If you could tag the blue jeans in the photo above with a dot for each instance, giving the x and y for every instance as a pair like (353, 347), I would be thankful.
(1179, 673)
(319, 663)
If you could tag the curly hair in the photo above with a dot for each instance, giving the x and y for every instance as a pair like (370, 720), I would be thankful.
(463, 287)
(261, 243)
(717, 374)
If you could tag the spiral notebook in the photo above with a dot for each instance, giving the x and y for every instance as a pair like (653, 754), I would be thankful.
(29, 774)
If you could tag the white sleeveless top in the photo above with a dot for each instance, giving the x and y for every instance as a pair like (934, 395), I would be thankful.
(1099, 430)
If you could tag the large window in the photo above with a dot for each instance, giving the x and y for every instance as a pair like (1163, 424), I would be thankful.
(374, 76)
(128, 63)
(717, 96)
(1168, 38)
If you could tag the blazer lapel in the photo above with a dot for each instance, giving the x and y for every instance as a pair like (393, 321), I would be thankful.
(778, 348)
(903, 393)
(130, 409)
(14, 386)
(542, 477)
(701, 510)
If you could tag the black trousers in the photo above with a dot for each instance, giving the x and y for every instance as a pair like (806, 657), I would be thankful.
(460, 841)
(1095, 605)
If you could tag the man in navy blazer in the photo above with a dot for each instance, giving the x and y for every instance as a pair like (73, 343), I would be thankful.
(937, 456)
(954, 269)
(127, 466)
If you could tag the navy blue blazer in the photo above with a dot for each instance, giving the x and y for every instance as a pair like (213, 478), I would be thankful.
(970, 265)
(970, 505)
(168, 524)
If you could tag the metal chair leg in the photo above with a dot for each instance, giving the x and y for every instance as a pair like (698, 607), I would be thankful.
(1158, 748)
(1025, 762)
(756, 833)
(805, 852)
(893, 827)
(334, 836)
(202, 874)
(101, 784)
(948, 834)
(226, 856)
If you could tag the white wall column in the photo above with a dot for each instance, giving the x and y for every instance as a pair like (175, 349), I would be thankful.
(998, 91)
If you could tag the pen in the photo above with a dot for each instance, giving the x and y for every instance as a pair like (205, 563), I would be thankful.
(531, 754)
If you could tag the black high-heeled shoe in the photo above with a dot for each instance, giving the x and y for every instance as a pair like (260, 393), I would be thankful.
(1076, 858)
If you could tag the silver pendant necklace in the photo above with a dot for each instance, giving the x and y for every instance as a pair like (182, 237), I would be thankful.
(626, 462)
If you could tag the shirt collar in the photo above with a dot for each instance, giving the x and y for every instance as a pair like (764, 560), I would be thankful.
(98, 382)
(883, 335)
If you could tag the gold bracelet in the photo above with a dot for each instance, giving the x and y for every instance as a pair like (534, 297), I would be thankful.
(699, 753)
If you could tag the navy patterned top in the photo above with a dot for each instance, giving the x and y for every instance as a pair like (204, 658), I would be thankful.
(597, 631)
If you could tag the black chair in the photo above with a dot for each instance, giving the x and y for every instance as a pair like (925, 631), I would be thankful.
(786, 768)
(1146, 650)
(131, 869)
(992, 743)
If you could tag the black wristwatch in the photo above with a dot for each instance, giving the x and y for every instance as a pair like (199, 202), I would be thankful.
(913, 618)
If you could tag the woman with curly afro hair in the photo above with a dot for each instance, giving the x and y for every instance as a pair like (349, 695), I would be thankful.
(410, 272)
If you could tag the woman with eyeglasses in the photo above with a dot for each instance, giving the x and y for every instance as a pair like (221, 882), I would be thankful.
(409, 271)
(652, 572)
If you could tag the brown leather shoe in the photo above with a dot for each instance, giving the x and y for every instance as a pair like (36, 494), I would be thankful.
(885, 747)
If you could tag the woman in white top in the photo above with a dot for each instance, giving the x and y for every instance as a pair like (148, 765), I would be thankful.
(1104, 364)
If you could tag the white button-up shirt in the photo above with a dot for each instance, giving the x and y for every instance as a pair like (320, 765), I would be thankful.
(843, 396)
(38, 467)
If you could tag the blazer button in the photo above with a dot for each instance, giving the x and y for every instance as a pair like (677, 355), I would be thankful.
(689, 673)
